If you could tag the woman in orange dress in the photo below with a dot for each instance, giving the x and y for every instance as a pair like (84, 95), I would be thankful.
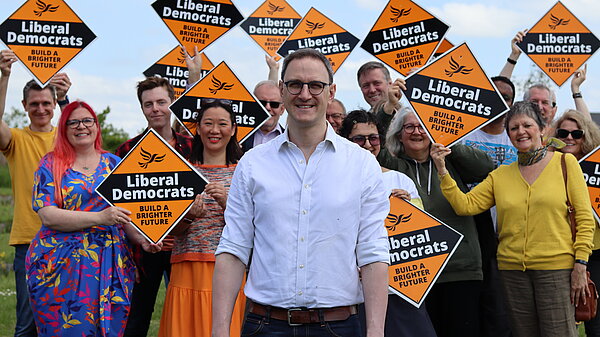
(215, 152)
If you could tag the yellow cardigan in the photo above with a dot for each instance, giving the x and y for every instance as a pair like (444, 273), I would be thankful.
(533, 225)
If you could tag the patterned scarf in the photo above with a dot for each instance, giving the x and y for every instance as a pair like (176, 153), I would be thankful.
(533, 156)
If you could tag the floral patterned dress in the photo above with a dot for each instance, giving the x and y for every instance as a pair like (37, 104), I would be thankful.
(79, 282)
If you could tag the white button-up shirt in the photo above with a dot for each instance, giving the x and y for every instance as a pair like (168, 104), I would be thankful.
(311, 224)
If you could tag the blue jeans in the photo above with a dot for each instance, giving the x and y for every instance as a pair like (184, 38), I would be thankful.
(256, 325)
(25, 325)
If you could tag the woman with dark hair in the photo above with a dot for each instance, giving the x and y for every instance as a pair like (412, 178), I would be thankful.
(79, 267)
(402, 318)
(541, 266)
(581, 135)
(453, 302)
(215, 153)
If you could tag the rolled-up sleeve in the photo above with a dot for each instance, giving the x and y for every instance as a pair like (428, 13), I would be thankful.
(238, 233)
(373, 245)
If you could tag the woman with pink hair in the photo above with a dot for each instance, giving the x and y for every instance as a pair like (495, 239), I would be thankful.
(79, 267)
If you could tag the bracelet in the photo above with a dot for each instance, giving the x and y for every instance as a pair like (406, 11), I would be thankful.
(64, 101)
(577, 95)
(511, 61)
(583, 262)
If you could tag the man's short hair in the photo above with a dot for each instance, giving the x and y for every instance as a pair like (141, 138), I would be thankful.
(33, 85)
(507, 81)
(373, 65)
(307, 53)
(154, 82)
(541, 86)
(335, 100)
(270, 83)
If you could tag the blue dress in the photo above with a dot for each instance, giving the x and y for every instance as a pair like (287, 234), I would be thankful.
(79, 282)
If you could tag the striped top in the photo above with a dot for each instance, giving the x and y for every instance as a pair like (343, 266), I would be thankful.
(202, 237)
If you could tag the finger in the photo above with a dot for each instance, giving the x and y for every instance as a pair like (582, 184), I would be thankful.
(196, 50)
(126, 211)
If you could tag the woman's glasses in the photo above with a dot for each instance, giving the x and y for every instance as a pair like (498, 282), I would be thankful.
(374, 140)
(74, 123)
(576, 134)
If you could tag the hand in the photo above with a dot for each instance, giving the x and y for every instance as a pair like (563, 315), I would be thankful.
(151, 247)
(194, 65)
(218, 192)
(515, 51)
(114, 215)
(578, 78)
(272, 63)
(7, 58)
(394, 95)
(438, 154)
(400, 193)
(579, 288)
(197, 209)
(62, 83)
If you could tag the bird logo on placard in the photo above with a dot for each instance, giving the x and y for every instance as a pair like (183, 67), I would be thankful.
(218, 85)
(398, 13)
(396, 220)
(149, 158)
(313, 26)
(273, 9)
(457, 68)
(44, 8)
(181, 57)
(557, 22)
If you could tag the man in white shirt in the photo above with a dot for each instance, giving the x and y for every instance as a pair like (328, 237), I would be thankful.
(310, 206)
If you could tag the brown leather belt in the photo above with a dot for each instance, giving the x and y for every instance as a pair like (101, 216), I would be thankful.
(298, 316)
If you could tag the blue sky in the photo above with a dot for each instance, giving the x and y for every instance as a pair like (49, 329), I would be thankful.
(131, 37)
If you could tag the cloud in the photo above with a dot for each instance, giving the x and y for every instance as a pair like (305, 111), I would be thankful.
(371, 4)
(478, 20)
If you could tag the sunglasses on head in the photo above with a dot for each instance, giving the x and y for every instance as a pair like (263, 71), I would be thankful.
(273, 104)
(206, 101)
(576, 134)
(374, 140)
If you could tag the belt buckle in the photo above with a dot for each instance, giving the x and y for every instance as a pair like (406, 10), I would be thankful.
(289, 317)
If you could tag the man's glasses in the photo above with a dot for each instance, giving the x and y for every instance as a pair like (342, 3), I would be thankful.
(336, 116)
(273, 104)
(576, 134)
(410, 128)
(315, 88)
(74, 123)
(374, 140)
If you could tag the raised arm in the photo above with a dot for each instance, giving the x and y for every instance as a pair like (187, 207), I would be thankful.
(194, 66)
(576, 81)
(62, 83)
(273, 68)
(7, 58)
(513, 57)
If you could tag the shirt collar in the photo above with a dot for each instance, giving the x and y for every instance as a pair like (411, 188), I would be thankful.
(331, 137)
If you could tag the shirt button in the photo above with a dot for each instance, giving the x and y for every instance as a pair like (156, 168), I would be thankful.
(306, 186)
(300, 292)
(301, 266)
(304, 211)
(301, 162)
(302, 239)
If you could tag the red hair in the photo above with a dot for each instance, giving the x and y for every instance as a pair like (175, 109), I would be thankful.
(63, 154)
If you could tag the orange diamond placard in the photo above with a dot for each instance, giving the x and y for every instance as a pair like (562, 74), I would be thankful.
(420, 247)
(444, 46)
(197, 23)
(155, 183)
(404, 36)
(559, 43)
(221, 84)
(317, 31)
(45, 35)
(270, 24)
(590, 165)
(172, 67)
(453, 96)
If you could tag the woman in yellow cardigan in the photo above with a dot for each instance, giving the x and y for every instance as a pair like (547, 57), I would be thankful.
(542, 269)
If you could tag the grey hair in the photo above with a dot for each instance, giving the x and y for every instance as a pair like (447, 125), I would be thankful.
(392, 143)
(270, 83)
(541, 86)
(335, 100)
(529, 109)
